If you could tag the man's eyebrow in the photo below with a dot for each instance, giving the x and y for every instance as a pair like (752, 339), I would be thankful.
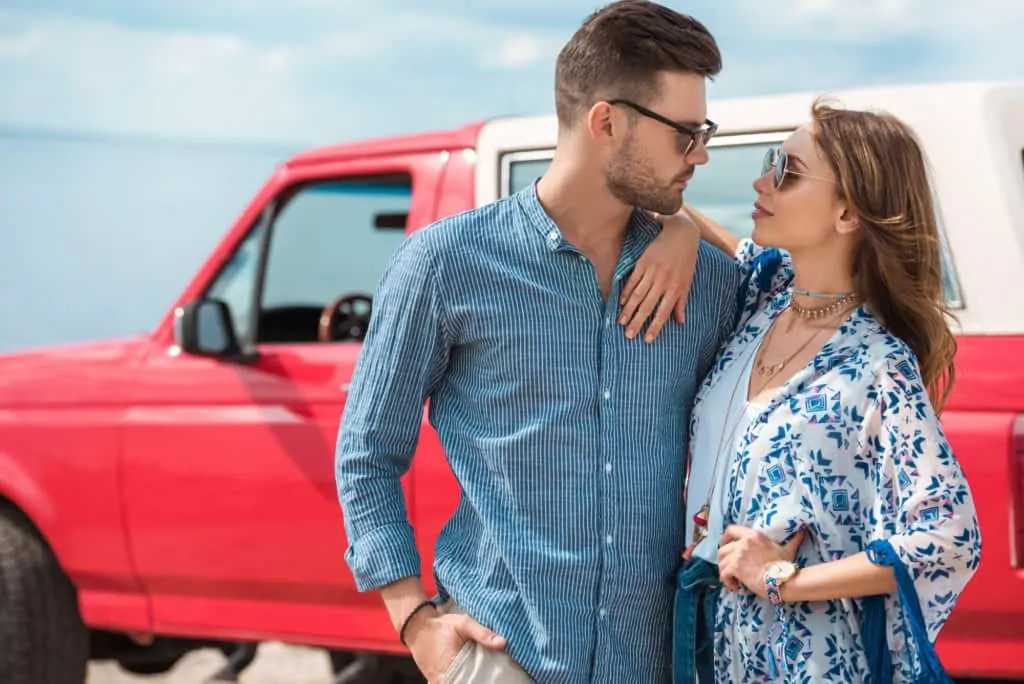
(690, 123)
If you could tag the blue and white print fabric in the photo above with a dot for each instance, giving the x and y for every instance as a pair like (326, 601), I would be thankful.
(851, 449)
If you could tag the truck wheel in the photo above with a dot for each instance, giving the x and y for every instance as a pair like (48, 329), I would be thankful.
(42, 637)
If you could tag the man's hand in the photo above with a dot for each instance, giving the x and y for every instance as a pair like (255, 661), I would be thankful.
(743, 554)
(435, 640)
(661, 280)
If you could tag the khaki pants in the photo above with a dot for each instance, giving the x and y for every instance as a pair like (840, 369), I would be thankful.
(476, 664)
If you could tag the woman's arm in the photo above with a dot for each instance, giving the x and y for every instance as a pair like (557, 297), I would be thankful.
(927, 542)
(744, 554)
(851, 577)
(713, 232)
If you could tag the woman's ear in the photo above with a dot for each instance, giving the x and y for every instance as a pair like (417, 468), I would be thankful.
(848, 222)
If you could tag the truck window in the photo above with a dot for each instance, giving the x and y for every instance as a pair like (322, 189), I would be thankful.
(329, 239)
(722, 189)
(236, 280)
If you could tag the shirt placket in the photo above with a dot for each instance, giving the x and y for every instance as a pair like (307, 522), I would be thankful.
(606, 467)
(610, 446)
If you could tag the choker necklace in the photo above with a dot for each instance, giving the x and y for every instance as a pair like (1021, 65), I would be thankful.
(819, 295)
(838, 302)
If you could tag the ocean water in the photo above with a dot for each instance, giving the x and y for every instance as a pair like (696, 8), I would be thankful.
(99, 234)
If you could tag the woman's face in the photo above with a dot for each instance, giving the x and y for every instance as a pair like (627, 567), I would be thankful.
(805, 210)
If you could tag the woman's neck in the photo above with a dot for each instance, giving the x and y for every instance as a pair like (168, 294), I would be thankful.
(826, 276)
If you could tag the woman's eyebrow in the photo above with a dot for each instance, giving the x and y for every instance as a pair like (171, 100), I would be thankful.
(796, 160)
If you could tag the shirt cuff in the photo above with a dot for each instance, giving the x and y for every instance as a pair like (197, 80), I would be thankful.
(383, 556)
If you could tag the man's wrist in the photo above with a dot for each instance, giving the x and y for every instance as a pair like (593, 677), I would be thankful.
(401, 598)
(410, 622)
(416, 622)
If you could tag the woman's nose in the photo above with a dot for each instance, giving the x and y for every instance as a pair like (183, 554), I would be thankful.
(761, 184)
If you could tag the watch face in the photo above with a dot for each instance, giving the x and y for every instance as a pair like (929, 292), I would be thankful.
(781, 570)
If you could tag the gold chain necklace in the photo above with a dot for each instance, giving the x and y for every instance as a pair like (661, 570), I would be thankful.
(702, 518)
(769, 370)
(815, 312)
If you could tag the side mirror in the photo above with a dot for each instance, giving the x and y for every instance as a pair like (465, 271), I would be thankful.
(204, 328)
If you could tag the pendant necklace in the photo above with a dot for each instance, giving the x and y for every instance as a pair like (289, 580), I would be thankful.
(702, 517)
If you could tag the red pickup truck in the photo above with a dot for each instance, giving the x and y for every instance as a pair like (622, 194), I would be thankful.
(176, 490)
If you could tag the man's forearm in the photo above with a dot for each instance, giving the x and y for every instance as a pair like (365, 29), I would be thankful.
(401, 598)
(382, 543)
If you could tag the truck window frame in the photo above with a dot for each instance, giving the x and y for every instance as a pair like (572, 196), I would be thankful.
(265, 225)
(951, 286)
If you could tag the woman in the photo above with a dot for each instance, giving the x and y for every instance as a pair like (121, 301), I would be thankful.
(817, 427)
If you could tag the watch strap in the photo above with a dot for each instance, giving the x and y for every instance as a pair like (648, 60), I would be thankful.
(771, 586)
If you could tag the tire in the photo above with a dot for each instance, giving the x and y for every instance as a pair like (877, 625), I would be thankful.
(42, 637)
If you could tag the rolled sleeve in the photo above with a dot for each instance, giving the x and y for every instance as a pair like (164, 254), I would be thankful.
(382, 556)
(934, 529)
(403, 358)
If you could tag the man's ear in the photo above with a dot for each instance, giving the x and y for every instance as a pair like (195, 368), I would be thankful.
(602, 124)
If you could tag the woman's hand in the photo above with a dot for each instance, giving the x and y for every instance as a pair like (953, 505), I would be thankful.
(743, 554)
(661, 280)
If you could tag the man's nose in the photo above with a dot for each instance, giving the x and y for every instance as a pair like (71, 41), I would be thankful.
(699, 154)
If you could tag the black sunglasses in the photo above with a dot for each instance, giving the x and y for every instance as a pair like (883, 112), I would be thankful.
(687, 136)
(776, 162)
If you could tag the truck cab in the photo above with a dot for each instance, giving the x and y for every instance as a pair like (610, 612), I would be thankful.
(176, 490)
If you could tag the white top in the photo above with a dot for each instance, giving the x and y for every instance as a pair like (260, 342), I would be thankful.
(716, 433)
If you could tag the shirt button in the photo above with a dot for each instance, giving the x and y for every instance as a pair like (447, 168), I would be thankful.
(602, 613)
(607, 394)
(608, 540)
(552, 235)
(607, 467)
(607, 321)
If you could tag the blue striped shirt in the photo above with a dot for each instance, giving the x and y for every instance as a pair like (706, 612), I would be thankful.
(567, 439)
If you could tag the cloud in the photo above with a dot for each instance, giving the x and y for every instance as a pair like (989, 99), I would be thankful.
(21, 44)
(518, 51)
(828, 44)
(72, 72)
(325, 70)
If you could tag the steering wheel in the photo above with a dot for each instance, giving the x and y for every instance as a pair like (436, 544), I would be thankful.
(347, 318)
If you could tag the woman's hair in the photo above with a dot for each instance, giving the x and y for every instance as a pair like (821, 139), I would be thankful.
(882, 174)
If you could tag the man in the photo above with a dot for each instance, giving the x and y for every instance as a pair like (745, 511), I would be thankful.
(567, 436)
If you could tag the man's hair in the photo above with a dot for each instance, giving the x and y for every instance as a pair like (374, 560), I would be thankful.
(620, 50)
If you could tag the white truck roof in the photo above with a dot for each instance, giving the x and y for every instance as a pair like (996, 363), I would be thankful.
(973, 135)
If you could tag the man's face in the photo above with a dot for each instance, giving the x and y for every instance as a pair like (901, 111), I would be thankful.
(650, 166)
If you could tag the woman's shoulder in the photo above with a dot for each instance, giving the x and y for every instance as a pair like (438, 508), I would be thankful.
(886, 359)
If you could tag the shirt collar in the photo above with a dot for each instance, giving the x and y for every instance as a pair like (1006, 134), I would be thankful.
(640, 222)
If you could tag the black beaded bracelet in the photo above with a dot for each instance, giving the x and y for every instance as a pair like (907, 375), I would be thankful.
(401, 632)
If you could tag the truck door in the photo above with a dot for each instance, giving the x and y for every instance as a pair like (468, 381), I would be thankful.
(230, 497)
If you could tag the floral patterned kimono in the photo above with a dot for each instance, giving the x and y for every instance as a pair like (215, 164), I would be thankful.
(851, 449)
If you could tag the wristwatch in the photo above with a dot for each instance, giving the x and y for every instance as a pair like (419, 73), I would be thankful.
(776, 574)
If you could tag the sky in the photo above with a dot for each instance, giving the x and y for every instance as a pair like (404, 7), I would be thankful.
(318, 71)
(133, 132)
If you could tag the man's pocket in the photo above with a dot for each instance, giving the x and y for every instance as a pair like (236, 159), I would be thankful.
(476, 664)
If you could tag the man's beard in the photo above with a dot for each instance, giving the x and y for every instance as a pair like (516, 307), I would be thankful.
(631, 182)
